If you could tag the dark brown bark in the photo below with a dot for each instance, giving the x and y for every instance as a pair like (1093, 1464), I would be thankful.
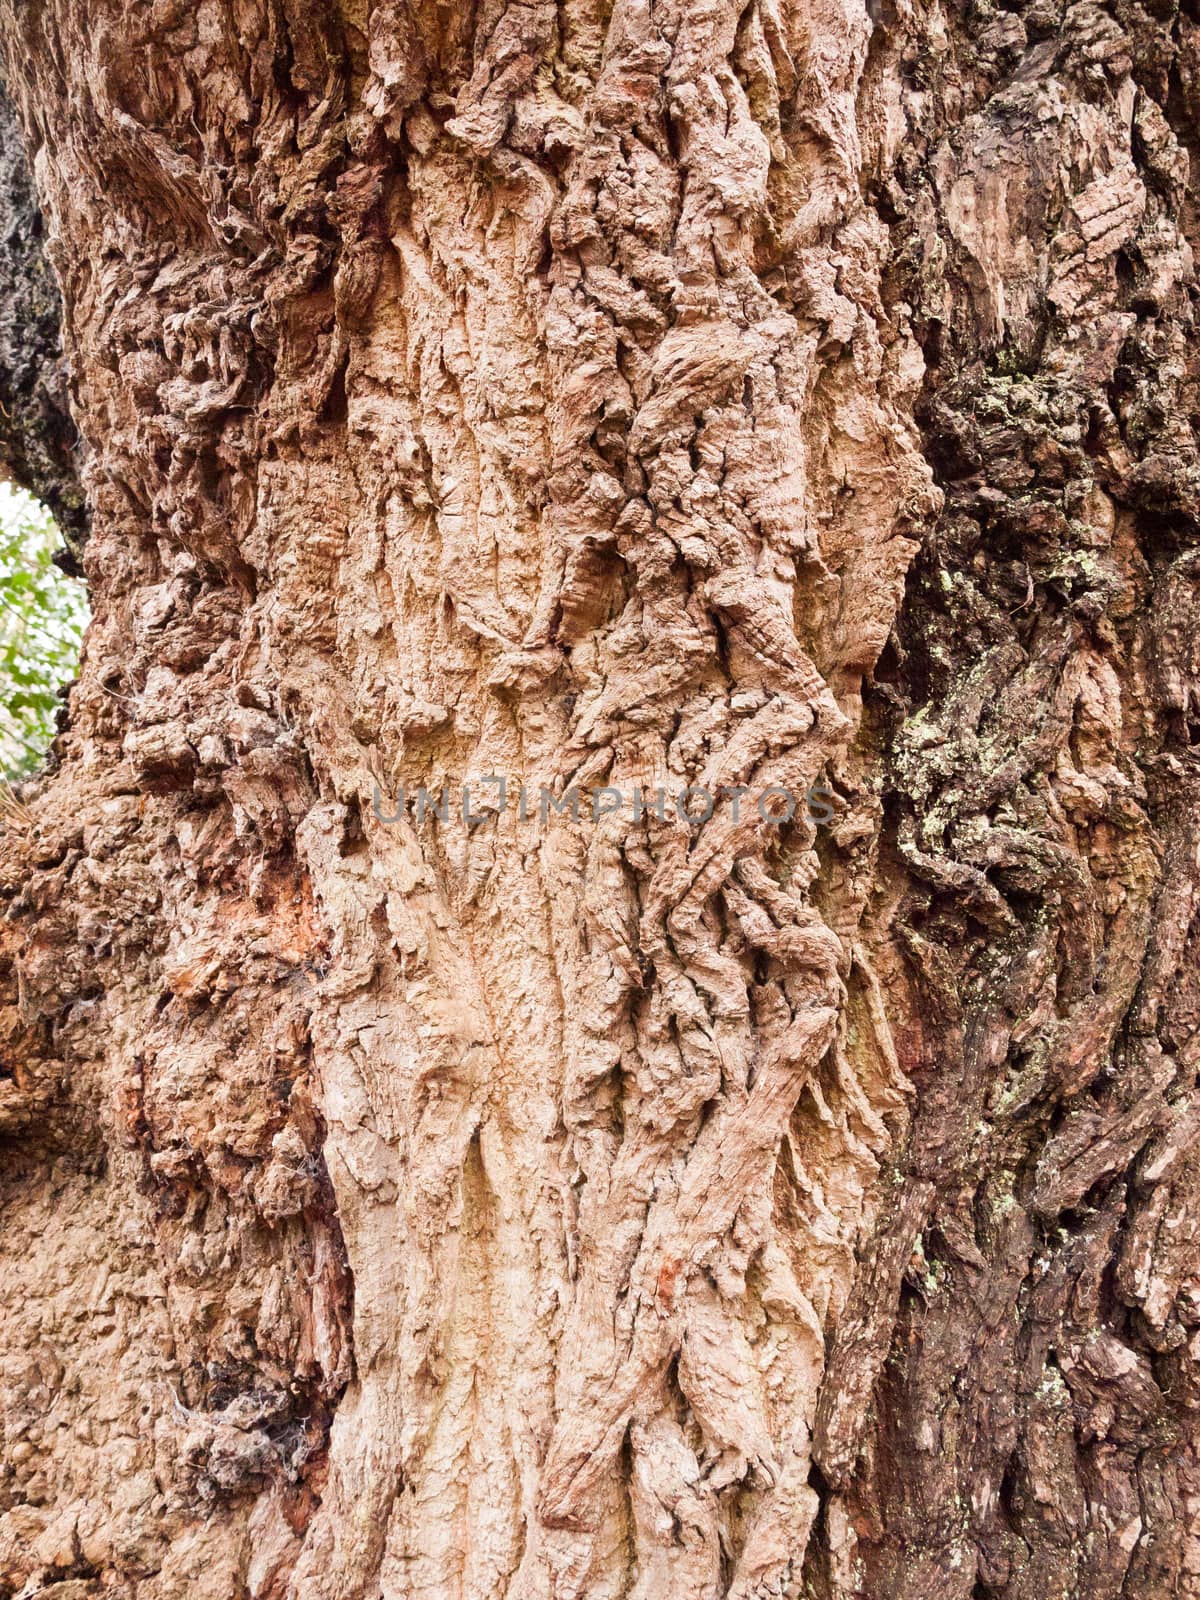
(39, 443)
(1035, 1418)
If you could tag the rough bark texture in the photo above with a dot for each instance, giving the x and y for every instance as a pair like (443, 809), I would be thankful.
(692, 392)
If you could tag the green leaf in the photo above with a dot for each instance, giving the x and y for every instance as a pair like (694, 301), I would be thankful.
(42, 617)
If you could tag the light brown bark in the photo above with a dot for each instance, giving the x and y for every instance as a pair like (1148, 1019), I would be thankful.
(570, 1209)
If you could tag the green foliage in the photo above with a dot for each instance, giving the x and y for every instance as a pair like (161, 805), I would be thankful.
(42, 617)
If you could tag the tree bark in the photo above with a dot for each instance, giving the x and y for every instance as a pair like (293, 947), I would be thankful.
(39, 445)
(514, 1203)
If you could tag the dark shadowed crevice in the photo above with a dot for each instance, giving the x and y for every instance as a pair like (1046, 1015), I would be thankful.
(40, 447)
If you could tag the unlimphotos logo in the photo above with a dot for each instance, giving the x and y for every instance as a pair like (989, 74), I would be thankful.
(492, 796)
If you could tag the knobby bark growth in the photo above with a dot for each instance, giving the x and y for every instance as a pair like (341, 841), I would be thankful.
(689, 393)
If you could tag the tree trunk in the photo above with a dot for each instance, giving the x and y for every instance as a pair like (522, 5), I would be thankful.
(554, 1199)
